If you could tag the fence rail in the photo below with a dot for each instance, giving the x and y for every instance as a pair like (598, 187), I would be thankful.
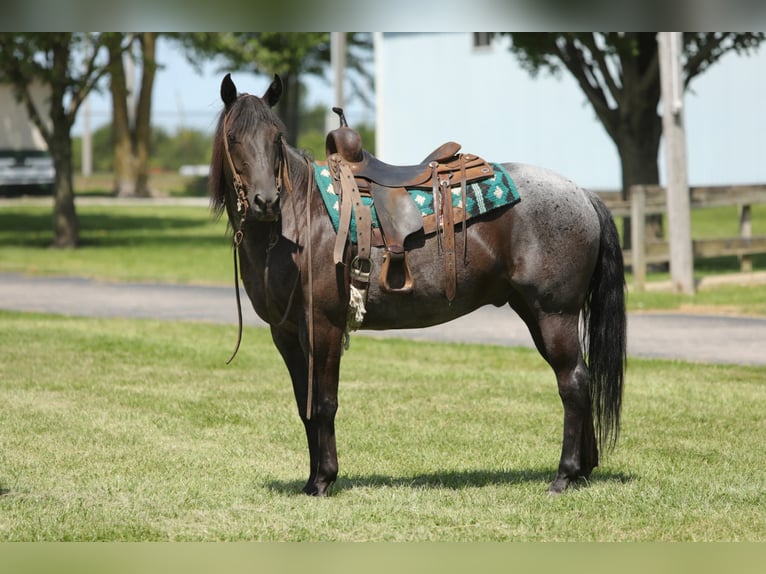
(652, 199)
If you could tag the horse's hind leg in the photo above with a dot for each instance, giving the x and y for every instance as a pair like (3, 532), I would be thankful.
(557, 339)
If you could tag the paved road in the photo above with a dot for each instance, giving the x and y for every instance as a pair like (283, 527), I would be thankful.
(700, 338)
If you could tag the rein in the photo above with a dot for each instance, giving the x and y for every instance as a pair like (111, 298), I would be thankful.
(242, 206)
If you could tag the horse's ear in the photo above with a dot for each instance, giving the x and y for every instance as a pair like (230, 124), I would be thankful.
(272, 95)
(228, 91)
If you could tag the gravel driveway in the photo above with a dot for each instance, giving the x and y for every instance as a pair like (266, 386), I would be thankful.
(699, 338)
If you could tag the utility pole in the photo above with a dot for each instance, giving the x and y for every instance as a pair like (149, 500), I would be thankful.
(338, 65)
(377, 40)
(679, 209)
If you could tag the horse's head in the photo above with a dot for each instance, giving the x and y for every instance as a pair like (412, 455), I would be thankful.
(251, 138)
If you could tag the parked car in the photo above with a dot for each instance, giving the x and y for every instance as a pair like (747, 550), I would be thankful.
(25, 163)
(26, 172)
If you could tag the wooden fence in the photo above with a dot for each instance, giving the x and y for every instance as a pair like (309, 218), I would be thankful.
(651, 199)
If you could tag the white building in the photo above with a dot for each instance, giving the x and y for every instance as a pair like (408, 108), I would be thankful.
(437, 87)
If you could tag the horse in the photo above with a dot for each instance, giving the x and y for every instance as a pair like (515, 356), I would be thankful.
(554, 258)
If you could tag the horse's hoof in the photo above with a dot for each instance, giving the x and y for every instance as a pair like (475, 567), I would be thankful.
(558, 486)
(313, 489)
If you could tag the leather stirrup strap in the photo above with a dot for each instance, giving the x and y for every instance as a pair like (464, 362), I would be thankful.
(437, 200)
(361, 266)
(449, 238)
(463, 200)
(345, 201)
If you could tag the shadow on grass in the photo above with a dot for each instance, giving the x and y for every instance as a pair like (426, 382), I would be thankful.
(455, 480)
(107, 230)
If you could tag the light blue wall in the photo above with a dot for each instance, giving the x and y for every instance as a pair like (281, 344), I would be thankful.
(436, 87)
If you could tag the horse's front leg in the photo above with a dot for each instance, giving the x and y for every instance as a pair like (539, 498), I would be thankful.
(319, 421)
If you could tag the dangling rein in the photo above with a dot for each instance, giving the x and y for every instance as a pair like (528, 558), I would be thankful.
(242, 207)
(283, 179)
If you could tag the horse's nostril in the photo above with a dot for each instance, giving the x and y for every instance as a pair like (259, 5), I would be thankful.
(265, 205)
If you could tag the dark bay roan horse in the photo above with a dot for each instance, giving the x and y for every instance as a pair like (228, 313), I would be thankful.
(554, 257)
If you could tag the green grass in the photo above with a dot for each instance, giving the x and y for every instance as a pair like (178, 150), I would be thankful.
(723, 299)
(174, 244)
(137, 430)
(724, 221)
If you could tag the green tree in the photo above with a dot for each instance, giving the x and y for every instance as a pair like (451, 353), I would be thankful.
(168, 151)
(70, 65)
(291, 55)
(619, 73)
(132, 131)
(102, 156)
(186, 146)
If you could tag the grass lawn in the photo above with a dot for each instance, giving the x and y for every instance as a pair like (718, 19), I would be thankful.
(137, 430)
(174, 244)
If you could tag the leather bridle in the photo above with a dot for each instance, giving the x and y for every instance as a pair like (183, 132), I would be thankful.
(239, 187)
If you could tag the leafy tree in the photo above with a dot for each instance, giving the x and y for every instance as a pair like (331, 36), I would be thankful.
(186, 146)
(168, 151)
(291, 55)
(132, 132)
(102, 157)
(619, 73)
(70, 65)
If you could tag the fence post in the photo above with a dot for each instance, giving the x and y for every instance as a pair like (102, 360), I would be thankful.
(638, 235)
(745, 232)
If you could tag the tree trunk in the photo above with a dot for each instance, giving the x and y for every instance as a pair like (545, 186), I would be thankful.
(637, 128)
(66, 230)
(124, 165)
(638, 159)
(144, 114)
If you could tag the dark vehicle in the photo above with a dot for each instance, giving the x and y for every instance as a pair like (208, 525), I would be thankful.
(26, 167)
(26, 172)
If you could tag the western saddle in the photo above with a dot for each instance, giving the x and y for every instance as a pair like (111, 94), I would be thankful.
(358, 173)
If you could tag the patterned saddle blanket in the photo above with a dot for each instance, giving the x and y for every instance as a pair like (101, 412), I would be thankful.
(481, 197)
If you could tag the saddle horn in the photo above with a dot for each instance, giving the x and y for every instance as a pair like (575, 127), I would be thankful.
(341, 116)
(344, 140)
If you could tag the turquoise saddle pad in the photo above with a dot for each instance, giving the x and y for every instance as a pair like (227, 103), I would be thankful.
(481, 196)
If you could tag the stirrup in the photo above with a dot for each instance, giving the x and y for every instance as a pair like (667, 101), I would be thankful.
(404, 278)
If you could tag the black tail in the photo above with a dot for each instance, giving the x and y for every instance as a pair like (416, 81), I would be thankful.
(606, 328)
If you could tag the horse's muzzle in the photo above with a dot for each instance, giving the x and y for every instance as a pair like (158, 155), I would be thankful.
(264, 209)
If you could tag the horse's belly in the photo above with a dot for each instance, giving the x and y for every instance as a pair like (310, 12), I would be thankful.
(409, 317)
(427, 305)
